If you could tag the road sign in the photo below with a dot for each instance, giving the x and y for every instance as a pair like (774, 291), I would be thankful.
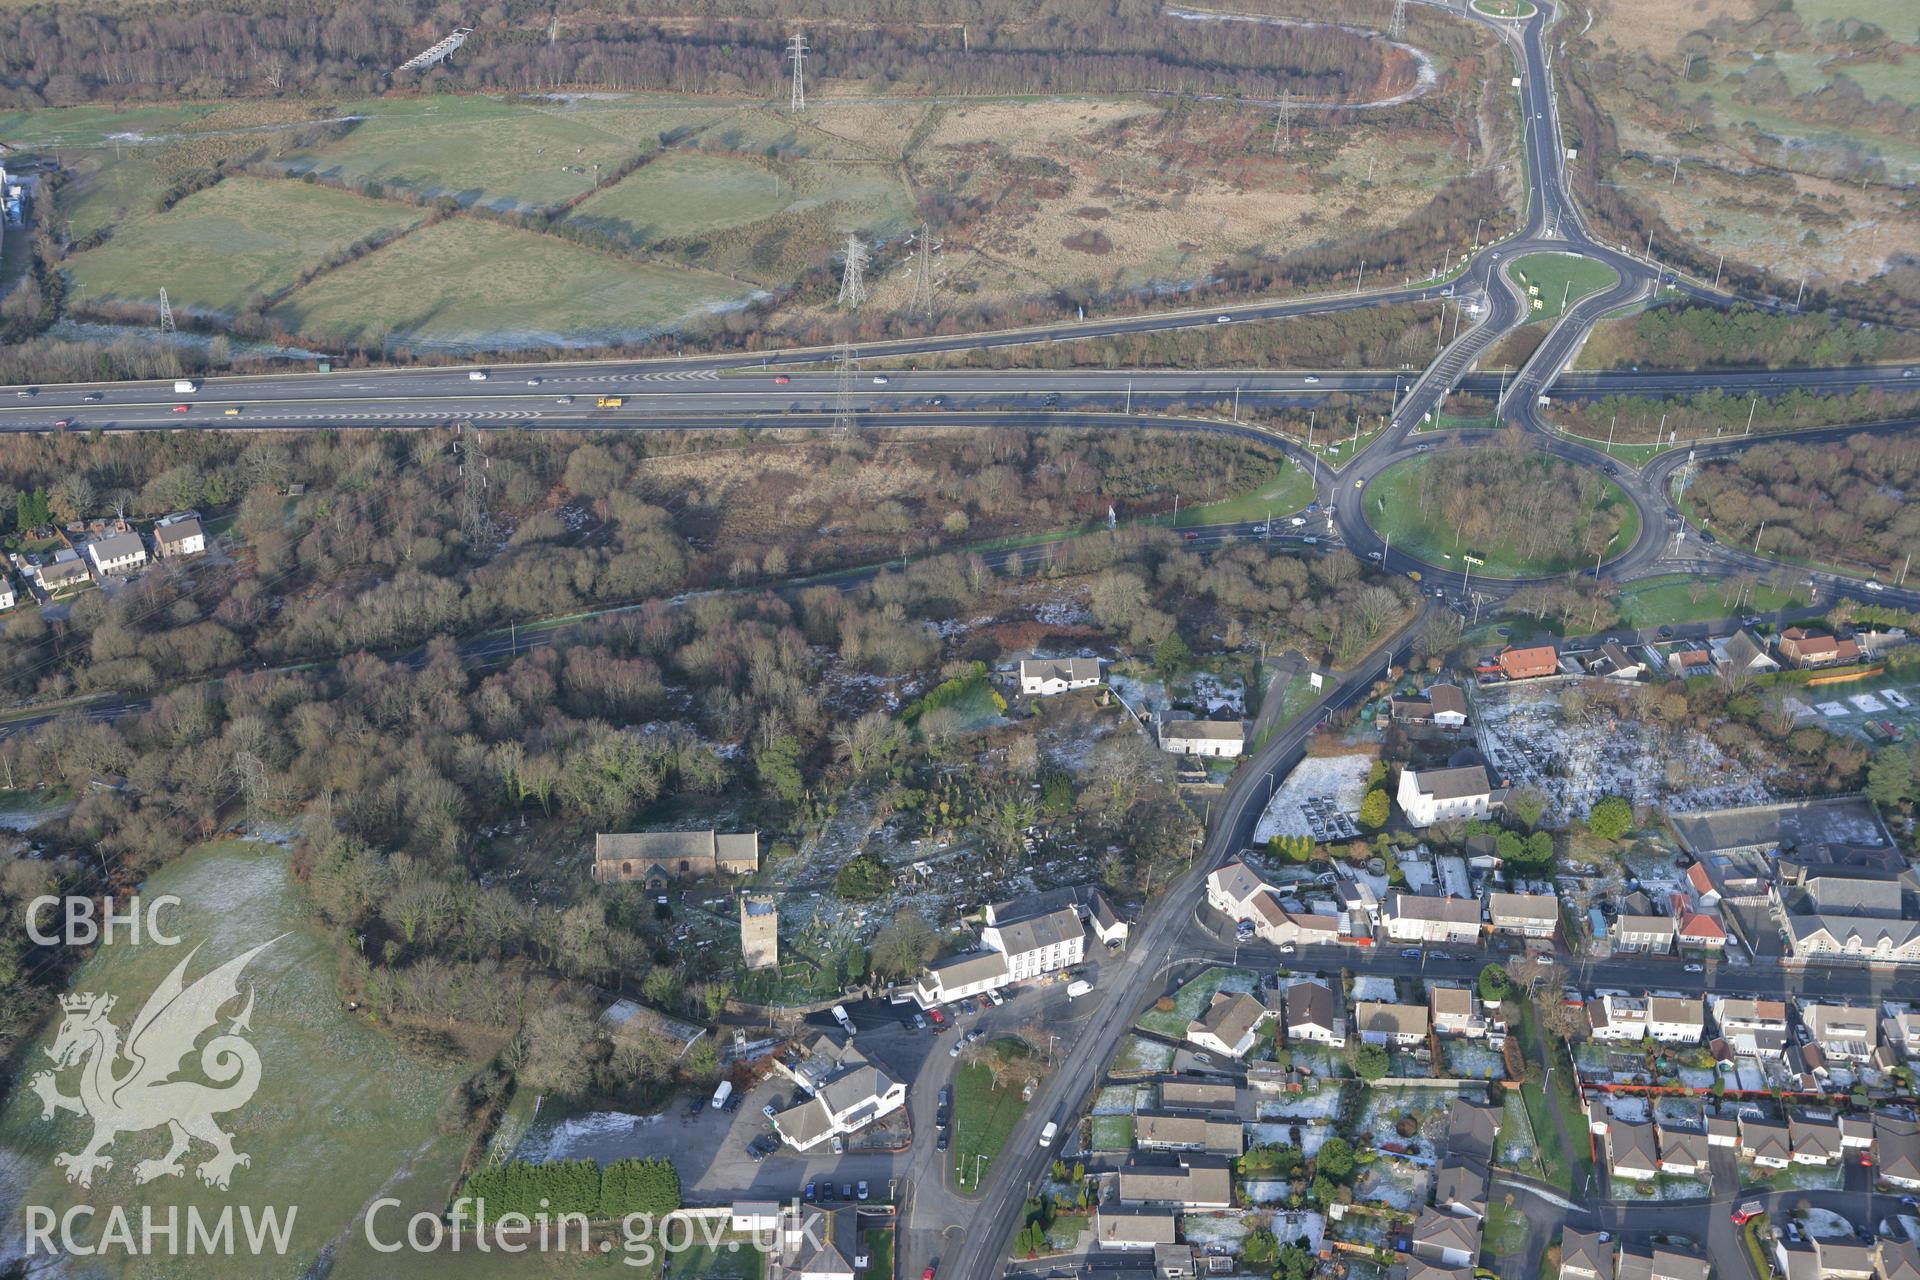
(1315, 680)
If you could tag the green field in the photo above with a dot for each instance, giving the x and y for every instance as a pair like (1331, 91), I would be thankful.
(983, 1117)
(237, 238)
(1394, 514)
(469, 283)
(1505, 8)
(1192, 999)
(342, 1112)
(1290, 489)
(1656, 602)
(1561, 278)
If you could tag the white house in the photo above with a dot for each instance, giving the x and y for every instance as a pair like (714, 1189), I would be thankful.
(1400, 1025)
(1313, 1016)
(1014, 951)
(844, 1104)
(1417, 918)
(1529, 915)
(1447, 795)
(1614, 1017)
(1673, 1020)
(1752, 1028)
(116, 553)
(181, 536)
(1652, 934)
(1043, 677)
(7, 597)
(1220, 739)
(1231, 1023)
(1845, 1033)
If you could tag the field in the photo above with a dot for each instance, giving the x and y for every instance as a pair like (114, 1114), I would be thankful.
(983, 1117)
(342, 1112)
(1558, 280)
(238, 238)
(1770, 167)
(466, 283)
(1655, 602)
(1393, 513)
(1289, 490)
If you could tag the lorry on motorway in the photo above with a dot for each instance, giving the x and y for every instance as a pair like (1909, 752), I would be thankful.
(185, 385)
(840, 1016)
(721, 1094)
(1048, 1134)
(1078, 987)
(609, 402)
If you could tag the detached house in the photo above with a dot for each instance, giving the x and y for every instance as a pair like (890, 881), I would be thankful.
(1231, 1023)
(115, 554)
(1805, 648)
(1243, 897)
(1528, 664)
(1448, 795)
(1844, 1033)
(1043, 677)
(1199, 1182)
(1456, 1011)
(63, 574)
(1417, 918)
(181, 537)
(1752, 1028)
(1313, 1015)
(1219, 739)
(1170, 1131)
(1443, 706)
(844, 1104)
(1400, 1025)
(1115, 1227)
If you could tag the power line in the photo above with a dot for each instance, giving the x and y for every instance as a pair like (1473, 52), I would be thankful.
(1283, 123)
(1397, 27)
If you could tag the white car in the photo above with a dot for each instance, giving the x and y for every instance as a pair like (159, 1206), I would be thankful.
(1223, 319)
(1297, 521)
(1310, 379)
(879, 380)
(1874, 586)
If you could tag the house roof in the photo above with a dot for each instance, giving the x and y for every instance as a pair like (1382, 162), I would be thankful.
(1041, 932)
(1390, 1019)
(1765, 1137)
(1899, 1260)
(1688, 1146)
(1461, 1182)
(1206, 1095)
(666, 846)
(179, 531)
(1863, 932)
(1448, 697)
(1410, 906)
(1660, 1264)
(1848, 896)
(1229, 1017)
(1236, 881)
(1685, 1011)
(1069, 669)
(1813, 1136)
(115, 546)
(1196, 1183)
(1309, 1004)
(1630, 1144)
(1644, 925)
(1203, 731)
(1162, 1128)
(1896, 1144)
(1539, 908)
(1444, 1231)
(1451, 1002)
(1840, 1022)
(1696, 924)
(1739, 1009)
(1114, 1225)
(975, 966)
(1471, 1129)
(1537, 658)
(1698, 877)
(1453, 784)
(1584, 1254)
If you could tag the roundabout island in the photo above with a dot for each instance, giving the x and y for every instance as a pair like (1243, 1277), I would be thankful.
(1498, 513)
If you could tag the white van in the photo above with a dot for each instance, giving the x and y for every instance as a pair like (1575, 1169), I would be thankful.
(1048, 1134)
(477, 375)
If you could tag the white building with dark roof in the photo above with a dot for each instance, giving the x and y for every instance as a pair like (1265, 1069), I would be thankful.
(1044, 677)
(1448, 795)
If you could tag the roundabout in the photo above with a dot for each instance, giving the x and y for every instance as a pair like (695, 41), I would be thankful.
(1490, 512)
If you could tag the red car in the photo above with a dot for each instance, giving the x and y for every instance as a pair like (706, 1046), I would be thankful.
(936, 1017)
(782, 380)
(1191, 536)
(179, 408)
(63, 424)
(928, 1275)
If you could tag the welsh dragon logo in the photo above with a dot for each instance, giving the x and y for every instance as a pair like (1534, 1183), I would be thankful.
(129, 1088)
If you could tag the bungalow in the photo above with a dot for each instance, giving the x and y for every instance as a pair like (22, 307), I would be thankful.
(1585, 1255)
(1447, 795)
(1118, 1228)
(179, 537)
(1676, 1021)
(1528, 664)
(1219, 739)
(1044, 677)
(1456, 1012)
(1231, 1023)
(1170, 1131)
(1700, 931)
(1200, 1095)
(1613, 662)
(1443, 706)
(1742, 654)
(1806, 648)
(1206, 1183)
(116, 553)
(1683, 1152)
(1685, 663)
(1843, 1032)
(1312, 1015)
(1650, 934)
(1752, 1028)
(1418, 918)
(1632, 1150)
(1767, 1144)
(1815, 1139)
(1443, 1238)
(1896, 1147)
(819, 1244)
(1399, 1025)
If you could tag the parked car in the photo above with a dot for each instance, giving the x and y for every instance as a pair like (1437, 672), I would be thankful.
(809, 1193)
(938, 1018)
(940, 1144)
(958, 1045)
(863, 1190)
(768, 1111)
(919, 1022)
(968, 1006)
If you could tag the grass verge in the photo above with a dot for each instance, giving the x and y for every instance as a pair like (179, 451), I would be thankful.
(983, 1117)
